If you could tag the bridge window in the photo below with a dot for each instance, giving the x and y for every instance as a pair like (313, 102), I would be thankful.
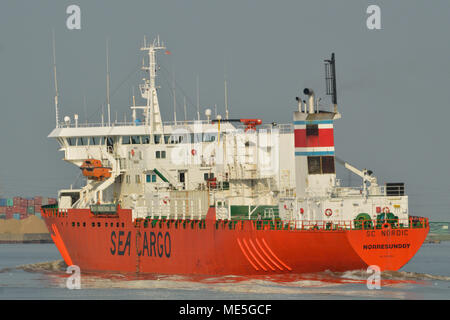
(209, 137)
(81, 141)
(135, 139)
(126, 140)
(94, 141)
(145, 139)
(71, 141)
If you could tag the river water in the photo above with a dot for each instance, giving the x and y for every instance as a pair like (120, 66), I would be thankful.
(36, 271)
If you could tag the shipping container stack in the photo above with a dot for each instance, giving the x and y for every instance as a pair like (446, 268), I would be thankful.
(20, 208)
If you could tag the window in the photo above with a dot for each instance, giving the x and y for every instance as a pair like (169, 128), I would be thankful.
(71, 141)
(126, 140)
(160, 154)
(128, 178)
(208, 176)
(209, 137)
(312, 130)
(151, 178)
(145, 139)
(81, 141)
(314, 165)
(166, 138)
(328, 164)
(135, 139)
(157, 138)
(138, 178)
(321, 165)
(98, 224)
(93, 224)
(94, 141)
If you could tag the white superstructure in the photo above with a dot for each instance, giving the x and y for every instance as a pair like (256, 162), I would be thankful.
(177, 169)
(153, 163)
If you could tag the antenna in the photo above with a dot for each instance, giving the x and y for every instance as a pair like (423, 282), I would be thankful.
(185, 114)
(56, 82)
(103, 116)
(330, 80)
(226, 100)
(198, 101)
(174, 100)
(107, 82)
(85, 109)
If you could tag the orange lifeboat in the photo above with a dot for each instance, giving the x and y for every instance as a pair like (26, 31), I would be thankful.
(93, 170)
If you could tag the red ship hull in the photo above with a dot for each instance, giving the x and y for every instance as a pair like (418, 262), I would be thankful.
(207, 247)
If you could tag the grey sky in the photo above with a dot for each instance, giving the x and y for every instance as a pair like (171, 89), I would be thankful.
(393, 84)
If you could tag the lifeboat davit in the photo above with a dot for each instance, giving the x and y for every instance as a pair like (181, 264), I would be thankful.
(94, 170)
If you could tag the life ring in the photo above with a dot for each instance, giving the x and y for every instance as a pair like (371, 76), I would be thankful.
(166, 200)
(328, 212)
(386, 210)
(302, 211)
(386, 225)
(193, 152)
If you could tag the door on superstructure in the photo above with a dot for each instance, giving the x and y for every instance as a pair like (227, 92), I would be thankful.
(222, 210)
(110, 144)
(182, 178)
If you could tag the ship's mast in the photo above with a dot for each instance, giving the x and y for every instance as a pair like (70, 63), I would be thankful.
(148, 88)
(107, 83)
(56, 82)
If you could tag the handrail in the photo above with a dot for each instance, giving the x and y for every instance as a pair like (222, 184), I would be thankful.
(412, 222)
(289, 225)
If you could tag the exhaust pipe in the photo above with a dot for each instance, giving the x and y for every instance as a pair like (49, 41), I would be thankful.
(310, 94)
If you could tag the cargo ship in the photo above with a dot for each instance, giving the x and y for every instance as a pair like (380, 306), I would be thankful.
(223, 196)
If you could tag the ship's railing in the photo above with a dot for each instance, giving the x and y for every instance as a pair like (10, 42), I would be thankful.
(373, 191)
(282, 128)
(323, 226)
